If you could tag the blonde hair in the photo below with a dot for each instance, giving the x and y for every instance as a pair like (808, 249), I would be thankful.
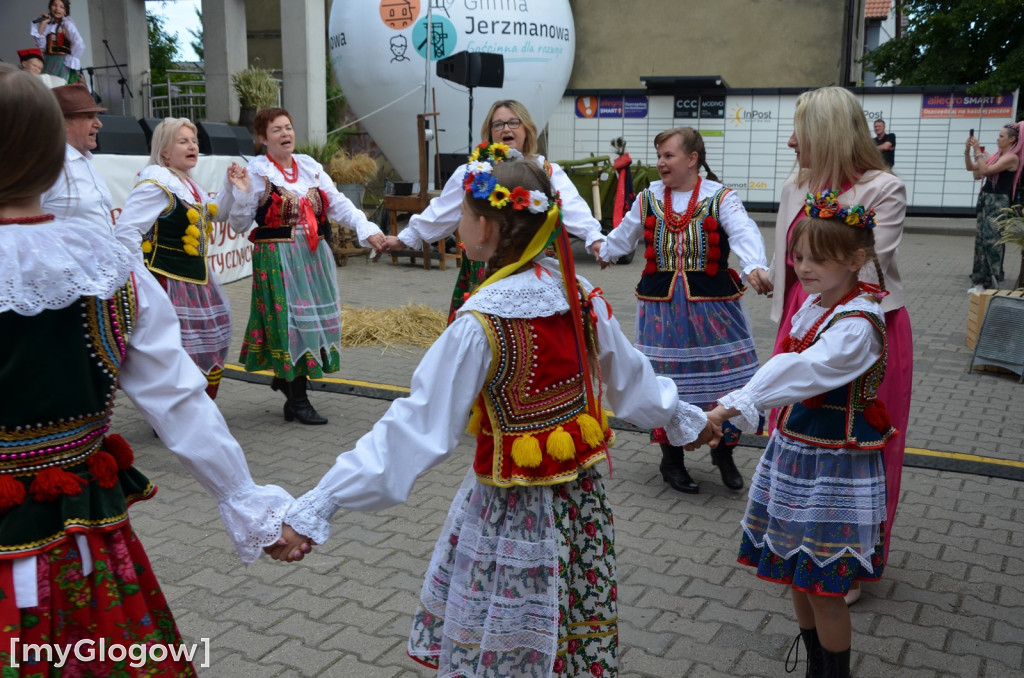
(164, 134)
(690, 141)
(530, 143)
(835, 142)
(34, 135)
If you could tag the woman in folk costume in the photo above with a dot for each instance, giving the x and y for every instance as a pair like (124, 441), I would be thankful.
(835, 149)
(79, 311)
(295, 318)
(168, 220)
(529, 355)
(817, 499)
(56, 35)
(508, 124)
(691, 322)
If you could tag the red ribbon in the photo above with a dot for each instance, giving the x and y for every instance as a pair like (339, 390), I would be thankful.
(312, 236)
(597, 292)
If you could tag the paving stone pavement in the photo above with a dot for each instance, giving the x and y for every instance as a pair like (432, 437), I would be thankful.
(950, 604)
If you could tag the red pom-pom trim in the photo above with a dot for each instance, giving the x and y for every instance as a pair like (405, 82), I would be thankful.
(103, 467)
(120, 449)
(709, 224)
(714, 253)
(712, 268)
(649, 253)
(52, 483)
(650, 221)
(12, 492)
(877, 416)
(713, 238)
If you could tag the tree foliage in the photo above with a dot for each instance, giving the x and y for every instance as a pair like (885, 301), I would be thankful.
(197, 35)
(979, 43)
(163, 48)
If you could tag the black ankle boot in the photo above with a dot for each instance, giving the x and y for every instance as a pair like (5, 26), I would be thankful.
(279, 384)
(835, 664)
(673, 470)
(298, 405)
(813, 648)
(722, 458)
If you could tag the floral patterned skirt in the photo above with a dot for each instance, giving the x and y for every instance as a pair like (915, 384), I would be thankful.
(114, 599)
(814, 516)
(295, 317)
(522, 584)
(705, 347)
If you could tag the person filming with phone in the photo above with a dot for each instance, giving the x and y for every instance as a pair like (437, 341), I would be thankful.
(1000, 174)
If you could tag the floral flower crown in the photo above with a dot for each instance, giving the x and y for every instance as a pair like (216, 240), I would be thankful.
(480, 183)
(825, 205)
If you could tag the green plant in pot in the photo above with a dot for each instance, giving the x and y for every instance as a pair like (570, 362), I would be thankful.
(255, 88)
(351, 172)
(1010, 223)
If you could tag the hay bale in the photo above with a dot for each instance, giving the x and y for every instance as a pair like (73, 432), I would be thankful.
(414, 325)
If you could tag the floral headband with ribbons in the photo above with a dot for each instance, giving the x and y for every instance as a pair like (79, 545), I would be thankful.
(480, 183)
(825, 205)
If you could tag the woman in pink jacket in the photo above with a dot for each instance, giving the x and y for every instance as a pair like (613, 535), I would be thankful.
(834, 150)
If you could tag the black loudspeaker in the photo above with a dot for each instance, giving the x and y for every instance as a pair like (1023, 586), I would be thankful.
(148, 126)
(217, 138)
(121, 135)
(449, 163)
(473, 69)
(246, 143)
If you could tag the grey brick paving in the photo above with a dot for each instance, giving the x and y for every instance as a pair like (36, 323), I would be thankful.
(950, 605)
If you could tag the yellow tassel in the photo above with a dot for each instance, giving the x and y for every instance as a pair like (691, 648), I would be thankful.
(561, 445)
(604, 419)
(590, 430)
(526, 452)
(476, 418)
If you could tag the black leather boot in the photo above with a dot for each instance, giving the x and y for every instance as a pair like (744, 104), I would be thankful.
(279, 384)
(835, 664)
(298, 405)
(673, 470)
(813, 647)
(722, 458)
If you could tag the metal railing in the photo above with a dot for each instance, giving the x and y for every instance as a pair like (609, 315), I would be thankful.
(183, 96)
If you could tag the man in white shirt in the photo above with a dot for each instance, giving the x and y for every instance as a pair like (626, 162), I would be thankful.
(80, 191)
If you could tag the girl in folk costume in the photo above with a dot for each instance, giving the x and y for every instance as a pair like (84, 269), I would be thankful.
(691, 323)
(528, 354)
(295, 318)
(80, 311)
(168, 220)
(817, 499)
(56, 35)
(509, 125)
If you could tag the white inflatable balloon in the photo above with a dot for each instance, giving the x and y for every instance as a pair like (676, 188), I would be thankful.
(385, 53)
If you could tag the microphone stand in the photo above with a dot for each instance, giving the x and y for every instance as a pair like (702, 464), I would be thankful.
(122, 81)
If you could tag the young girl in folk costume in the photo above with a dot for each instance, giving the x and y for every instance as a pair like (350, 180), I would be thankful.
(508, 127)
(691, 323)
(817, 498)
(56, 35)
(81, 317)
(528, 354)
(168, 220)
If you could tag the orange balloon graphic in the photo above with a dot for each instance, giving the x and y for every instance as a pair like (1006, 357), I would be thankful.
(399, 14)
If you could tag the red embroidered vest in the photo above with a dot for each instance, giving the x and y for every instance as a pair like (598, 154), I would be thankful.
(531, 418)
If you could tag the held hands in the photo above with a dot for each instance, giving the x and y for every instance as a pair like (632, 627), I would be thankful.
(711, 436)
(595, 249)
(378, 242)
(392, 244)
(239, 177)
(760, 281)
(291, 547)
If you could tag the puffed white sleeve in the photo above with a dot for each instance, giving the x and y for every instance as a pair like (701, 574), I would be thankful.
(744, 237)
(142, 207)
(341, 209)
(414, 434)
(244, 204)
(576, 213)
(38, 36)
(623, 238)
(169, 391)
(441, 217)
(841, 354)
(74, 60)
(634, 392)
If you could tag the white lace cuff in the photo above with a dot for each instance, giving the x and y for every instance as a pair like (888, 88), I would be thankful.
(310, 515)
(686, 424)
(749, 416)
(253, 518)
